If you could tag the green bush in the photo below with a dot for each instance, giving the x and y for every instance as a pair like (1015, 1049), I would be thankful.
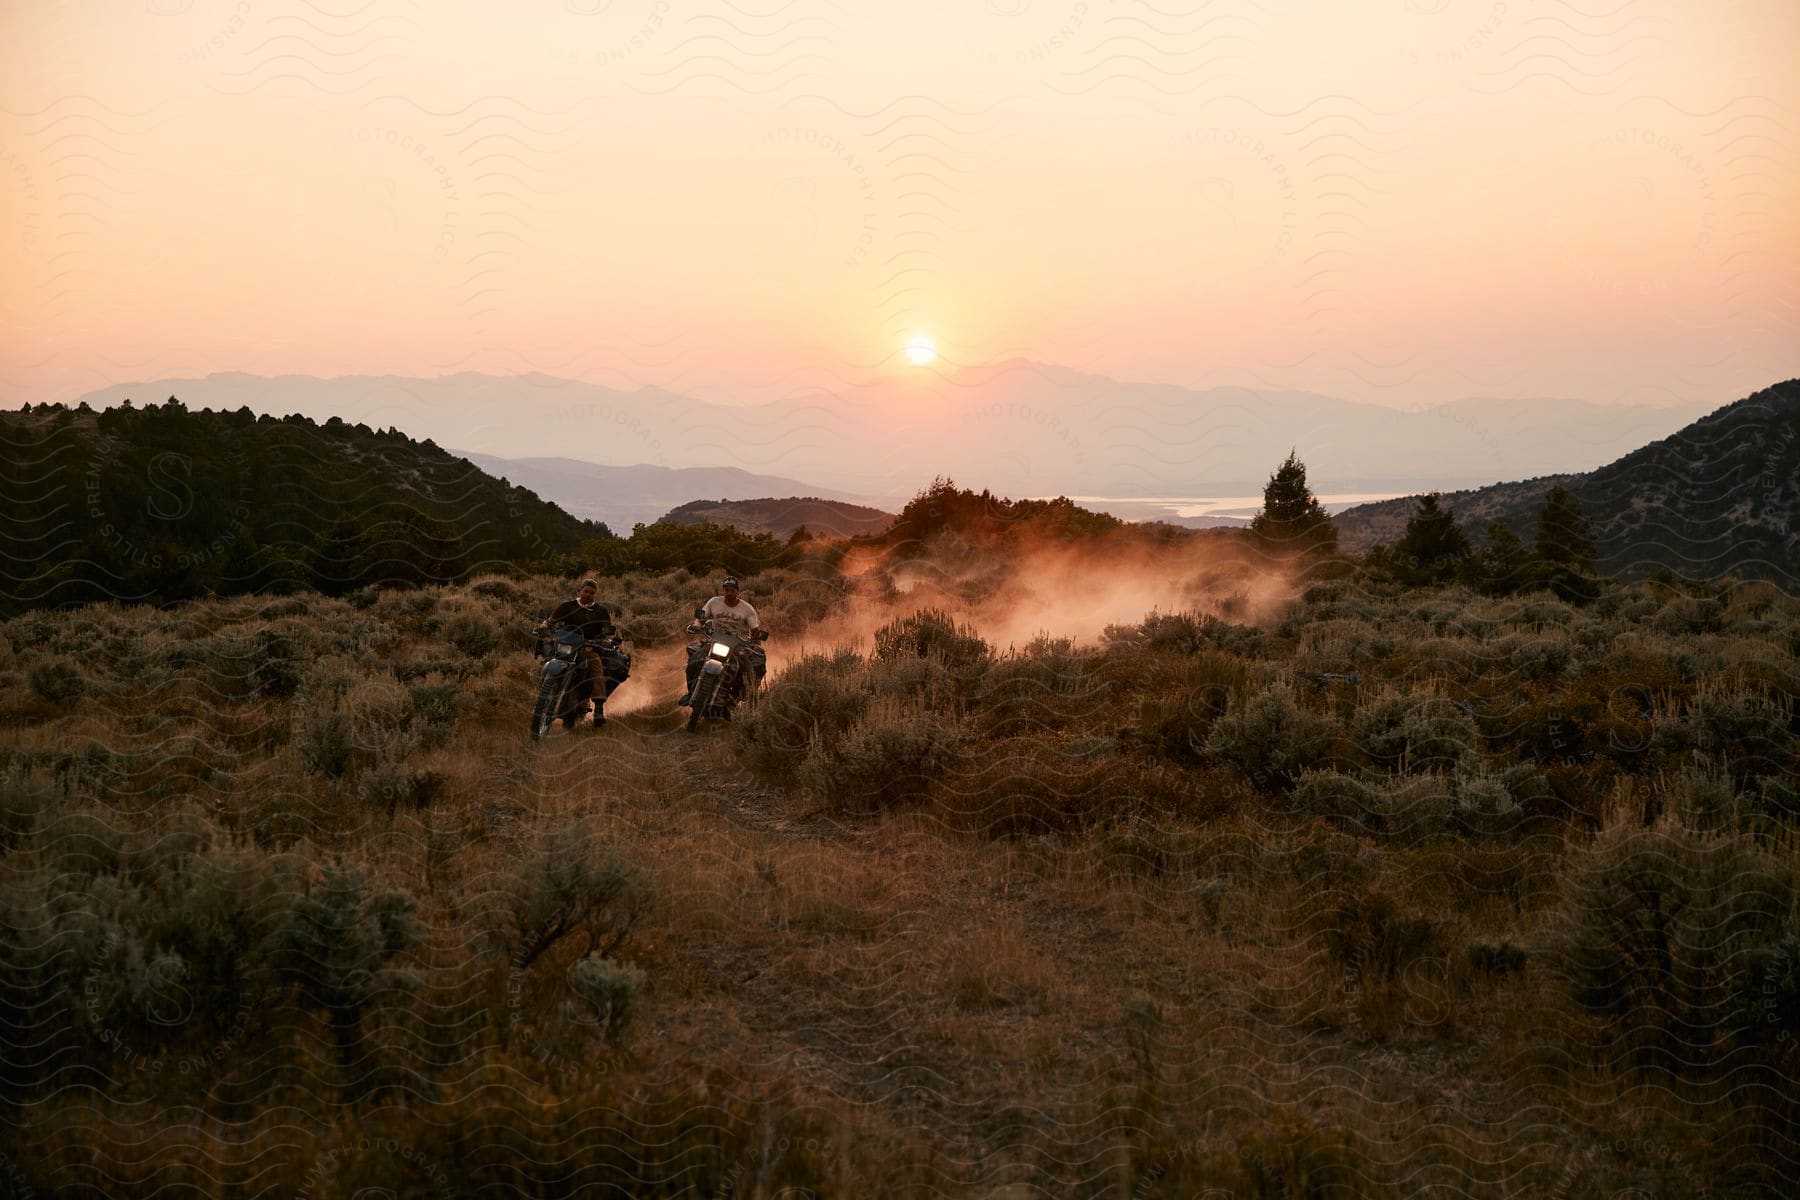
(1673, 936)
(1190, 633)
(1373, 939)
(815, 699)
(1045, 687)
(277, 656)
(1749, 734)
(57, 680)
(432, 710)
(471, 633)
(338, 955)
(25, 796)
(924, 681)
(1707, 800)
(1543, 657)
(1688, 615)
(572, 884)
(1495, 958)
(346, 719)
(388, 784)
(1405, 809)
(90, 839)
(610, 990)
(1415, 734)
(933, 633)
(886, 759)
(1497, 802)
(1272, 740)
(158, 953)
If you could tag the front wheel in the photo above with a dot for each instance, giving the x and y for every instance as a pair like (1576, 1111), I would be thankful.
(549, 701)
(705, 688)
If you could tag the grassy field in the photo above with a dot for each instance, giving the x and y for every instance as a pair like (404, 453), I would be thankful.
(1292, 891)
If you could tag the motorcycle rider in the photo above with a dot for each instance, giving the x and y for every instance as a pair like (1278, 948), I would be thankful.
(593, 622)
(730, 613)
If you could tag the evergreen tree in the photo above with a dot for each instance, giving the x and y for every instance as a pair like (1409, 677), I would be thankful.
(1433, 544)
(1291, 516)
(1563, 536)
(1505, 564)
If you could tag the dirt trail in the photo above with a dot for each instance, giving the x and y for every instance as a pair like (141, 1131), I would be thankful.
(977, 994)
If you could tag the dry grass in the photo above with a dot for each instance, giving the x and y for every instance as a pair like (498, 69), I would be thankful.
(1083, 955)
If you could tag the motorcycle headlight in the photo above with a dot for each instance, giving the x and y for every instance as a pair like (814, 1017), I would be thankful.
(721, 650)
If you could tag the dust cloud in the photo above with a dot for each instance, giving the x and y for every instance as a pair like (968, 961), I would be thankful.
(1013, 595)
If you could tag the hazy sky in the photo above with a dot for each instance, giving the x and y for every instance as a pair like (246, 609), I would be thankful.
(1401, 201)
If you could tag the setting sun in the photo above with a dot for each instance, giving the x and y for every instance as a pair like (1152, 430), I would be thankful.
(921, 351)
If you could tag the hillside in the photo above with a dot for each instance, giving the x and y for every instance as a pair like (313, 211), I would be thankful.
(1718, 497)
(641, 493)
(160, 504)
(822, 518)
(1024, 867)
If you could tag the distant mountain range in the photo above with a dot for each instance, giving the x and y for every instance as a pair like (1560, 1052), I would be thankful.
(1720, 496)
(1019, 428)
(622, 497)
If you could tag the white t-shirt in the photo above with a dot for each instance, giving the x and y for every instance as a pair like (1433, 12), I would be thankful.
(739, 619)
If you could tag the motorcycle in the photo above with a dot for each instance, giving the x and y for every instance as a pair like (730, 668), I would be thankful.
(731, 670)
(562, 690)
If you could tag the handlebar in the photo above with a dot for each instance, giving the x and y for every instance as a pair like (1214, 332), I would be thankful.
(756, 635)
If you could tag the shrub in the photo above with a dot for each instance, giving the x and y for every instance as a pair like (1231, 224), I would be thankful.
(471, 633)
(88, 840)
(1775, 799)
(1748, 733)
(340, 943)
(1046, 687)
(1685, 615)
(157, 951)
(57, 680)
(889, 757)
(387, 783)
(1272, 740)
(25, 796)
(610, 990)
(1182, 702)
(1190, 633)
(346, 720)
(1543, 657)
(432, 711)
(922, 680)
(1671, 936)
(1495, 803)
(1370, 937)
(1415, 734)
(277, 657)
(813, 700)
(572, 885)
(1706, 800)
(933, 633)
(1406, 808)
(496, 587)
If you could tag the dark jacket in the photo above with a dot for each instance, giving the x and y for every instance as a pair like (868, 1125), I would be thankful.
(594, 623)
